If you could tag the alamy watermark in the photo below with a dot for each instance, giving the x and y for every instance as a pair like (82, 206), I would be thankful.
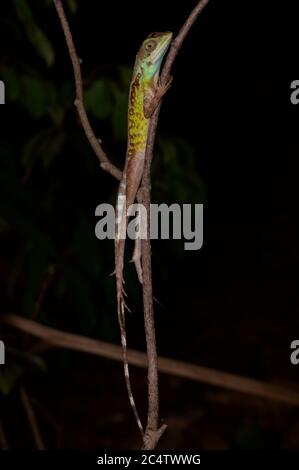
(174, 221)
(294, 97)
(2, 353)
(294, 358)
(2, 92)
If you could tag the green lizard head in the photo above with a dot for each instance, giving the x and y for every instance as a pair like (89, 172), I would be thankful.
(152, 51)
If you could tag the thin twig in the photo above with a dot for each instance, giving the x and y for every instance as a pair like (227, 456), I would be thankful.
(179, 39)
(43, 411)
(237, 383)
(79, 103)
(45, 285)
(57, 427)
(165, 74)
(31, 419)
(153, 432)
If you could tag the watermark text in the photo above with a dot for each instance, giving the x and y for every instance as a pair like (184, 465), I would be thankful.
(175, 221)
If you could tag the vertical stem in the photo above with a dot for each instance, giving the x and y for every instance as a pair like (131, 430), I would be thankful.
(152, 431)
(149, 325)
(31, 419)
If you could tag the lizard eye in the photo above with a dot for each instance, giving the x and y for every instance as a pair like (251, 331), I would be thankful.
(150, 46)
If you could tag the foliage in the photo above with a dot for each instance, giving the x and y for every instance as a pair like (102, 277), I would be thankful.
(50, 181)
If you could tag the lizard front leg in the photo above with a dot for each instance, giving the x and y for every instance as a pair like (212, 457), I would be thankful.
(151, 100)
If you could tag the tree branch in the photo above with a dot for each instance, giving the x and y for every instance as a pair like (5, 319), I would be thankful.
(31, 419)
(153, 432)
(79, 103)
(185, 370)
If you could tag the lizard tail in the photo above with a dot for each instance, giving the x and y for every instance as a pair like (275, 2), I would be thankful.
(121, 319)
(121, 306)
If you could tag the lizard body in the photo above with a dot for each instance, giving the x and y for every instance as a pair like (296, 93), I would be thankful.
(145, 94)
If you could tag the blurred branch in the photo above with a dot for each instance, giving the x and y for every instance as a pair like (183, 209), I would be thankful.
(57, 427)
(185, 370)
(31, 419)
(94, 142)
(43, 290)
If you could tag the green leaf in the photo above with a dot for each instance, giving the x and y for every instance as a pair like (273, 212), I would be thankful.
(66, 94)
(125, 74)
(9, 376)
(120, 109)
(36, 269)
(34, 95)
(29, 152)
(35, 35)
(12, 84)
(73, 5)
(51, 93)
(38, 95)
(98, 99)
(43, 147)
(42, 45)
(30, 359)
(55, 106)
(51, 148)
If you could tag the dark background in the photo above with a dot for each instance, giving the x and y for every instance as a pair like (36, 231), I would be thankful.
(228, 139)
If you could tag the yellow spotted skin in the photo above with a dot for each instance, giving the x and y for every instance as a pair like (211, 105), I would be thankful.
(137, 136)
(137, 122)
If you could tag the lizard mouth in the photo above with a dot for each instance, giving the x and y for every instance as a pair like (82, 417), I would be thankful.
(162, 47)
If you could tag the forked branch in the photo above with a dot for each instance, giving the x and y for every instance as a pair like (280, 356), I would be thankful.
(153, 430)
(79, 103)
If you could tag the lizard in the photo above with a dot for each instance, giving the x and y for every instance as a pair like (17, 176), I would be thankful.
(146, 91)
